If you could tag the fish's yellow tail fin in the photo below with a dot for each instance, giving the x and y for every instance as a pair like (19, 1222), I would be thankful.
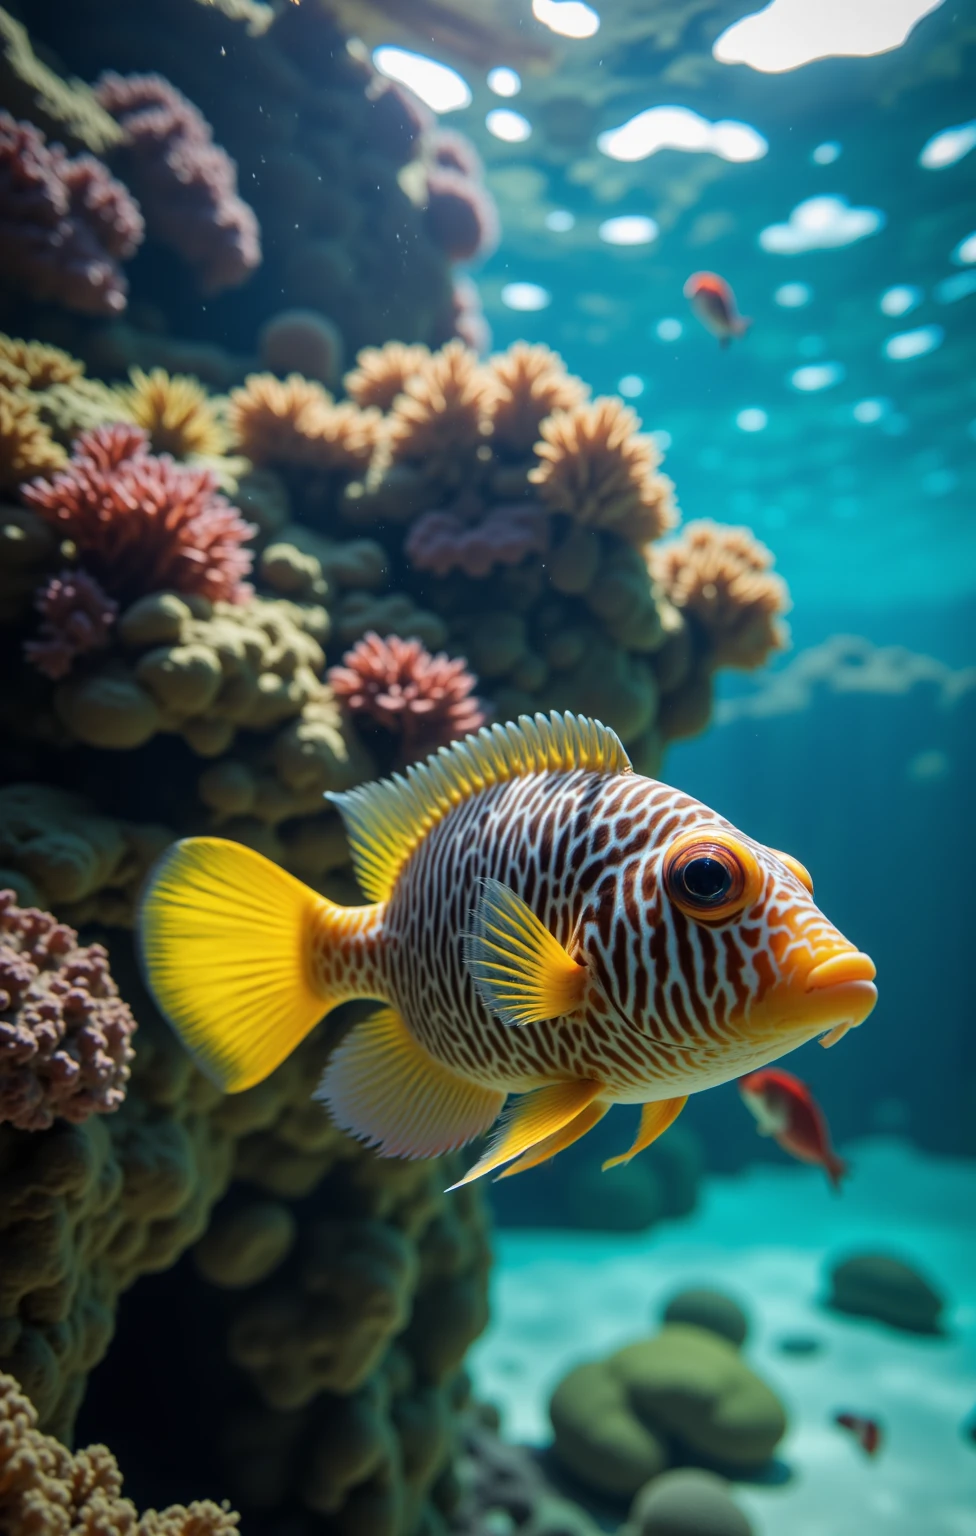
(228, 944)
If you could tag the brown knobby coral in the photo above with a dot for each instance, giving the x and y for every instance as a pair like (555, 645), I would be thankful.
(142, 523)
(295, 422)
(26, 446)
(531, 383)
(721, 579)
(596, 465)
(64, 1031)
(175, 412)
(381, 373)
(47, 1491)
(426, 700)
(442, 417)
(77, 616)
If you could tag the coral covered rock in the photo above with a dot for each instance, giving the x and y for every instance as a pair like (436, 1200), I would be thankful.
(142, 523)
(65, 225)
(880, 1286)
(425, 700)
(721, 579)
(64, 1030)
(187, 184)
(684, 1395)
(708, 1309)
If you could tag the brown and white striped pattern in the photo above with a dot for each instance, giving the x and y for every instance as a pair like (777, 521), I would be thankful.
(671, 1005)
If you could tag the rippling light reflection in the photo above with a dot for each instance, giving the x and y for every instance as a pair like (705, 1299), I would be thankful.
(668, 330)
(914, 343)
(947, 147)
(560, 221)
(680, 128)
(965, 251)
(826, 154)
(900, 300)
(821, 224)
(629, 229)
(789, 33)
(509, 126)
(869, 411)
(793, 295)
(504, 82)
(752, 419)
(570, 18)
(443, 89)
(951, 289)
(630, 386)
(526, 296)
(814, 376)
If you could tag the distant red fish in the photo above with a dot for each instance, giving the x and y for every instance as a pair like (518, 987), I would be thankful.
(786, 1110)
(867, 1432)
(714, 303)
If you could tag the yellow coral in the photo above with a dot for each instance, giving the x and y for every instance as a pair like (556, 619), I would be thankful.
(442, 416)
(32, 365)
(596, 465)
(722, 579)
(532, 383)
(26, 446)
(175, 411)
(381, 373)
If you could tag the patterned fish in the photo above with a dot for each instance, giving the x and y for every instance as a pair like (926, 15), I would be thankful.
(785, 1109)
(713, 302)
(544, 922)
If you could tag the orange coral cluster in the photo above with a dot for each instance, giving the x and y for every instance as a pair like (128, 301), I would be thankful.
(443, 415)
(381, 373)
(47, 1491)
(531, 383)
(295, 422)
(721, 578)
(596, 466)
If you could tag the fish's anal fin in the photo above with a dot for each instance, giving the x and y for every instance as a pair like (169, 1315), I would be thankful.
(227, 942)
(654, 1121)
(385, 821)
(558, 1141)
(521, 972)
(534, 1118)
(384, 1088)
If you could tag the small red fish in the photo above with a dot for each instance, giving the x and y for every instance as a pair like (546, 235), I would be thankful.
(867, 1432)
(714, 303)
(786, 1110)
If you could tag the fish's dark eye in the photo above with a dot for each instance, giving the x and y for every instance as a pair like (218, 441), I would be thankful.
(711, 876)
(706, 880)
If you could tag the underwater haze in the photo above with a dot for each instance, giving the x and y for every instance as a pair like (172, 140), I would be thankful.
(487, 688)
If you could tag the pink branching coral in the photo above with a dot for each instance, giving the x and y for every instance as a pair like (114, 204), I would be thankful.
(64, 1031)
(77, 617)
(442, 542)
(426, 700)
(187, 183)
(65, 225)
(143, 523)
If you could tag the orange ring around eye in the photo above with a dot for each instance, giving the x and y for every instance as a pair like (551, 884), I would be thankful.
(795, 868)
(711, 875)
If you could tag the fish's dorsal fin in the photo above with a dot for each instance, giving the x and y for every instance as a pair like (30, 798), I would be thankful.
(385, 821)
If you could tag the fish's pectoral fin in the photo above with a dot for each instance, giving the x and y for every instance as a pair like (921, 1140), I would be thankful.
(520, 971)
(534, 1119)
(558, 1141)
(226, 940)
(654, 1121)
(833, 1035)
(384, 1088)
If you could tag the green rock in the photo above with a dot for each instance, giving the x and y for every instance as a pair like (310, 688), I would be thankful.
(598, 1438)
(876, 1285)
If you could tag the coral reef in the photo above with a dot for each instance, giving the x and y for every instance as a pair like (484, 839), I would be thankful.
(685, 1395)
(720, 578)
(44, 1488)
(186, 183)
(77, 616)
(26, 446)
(141, 522)
(880, 1286)
(175, 413)
(65, 224)
(426, 701)
(64, 1030)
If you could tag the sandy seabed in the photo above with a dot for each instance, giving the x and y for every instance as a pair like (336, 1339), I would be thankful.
(767, 1237)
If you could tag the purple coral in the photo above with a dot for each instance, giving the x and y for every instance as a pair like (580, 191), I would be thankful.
(187, 183)
(64, 1031)
(461, 217)
(65, 224)
(442, 542)
(143, 523)
(77, 617)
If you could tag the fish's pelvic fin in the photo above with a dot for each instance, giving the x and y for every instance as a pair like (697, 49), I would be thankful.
(385, 821)
(834, 1035)
(382, 1087)
(533, 1120)
(521, 972)
(227, 947)
(558, 1141)
(654, 1121)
